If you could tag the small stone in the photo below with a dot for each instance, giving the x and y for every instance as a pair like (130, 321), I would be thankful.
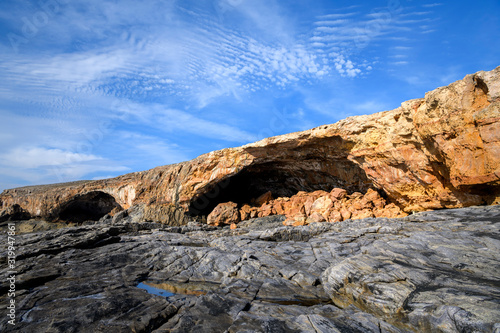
(361, 214)
(278, 207)
(245, 212)
(315, 217)
(338, 193)
(335, 216)
(322, 205)
(266, 210)
(346, 214)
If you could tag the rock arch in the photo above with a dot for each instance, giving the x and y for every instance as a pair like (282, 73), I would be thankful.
(89, 206)
(283, 179)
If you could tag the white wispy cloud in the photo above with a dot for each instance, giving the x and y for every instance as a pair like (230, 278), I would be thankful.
(225, 60)
(219, 61)
(336, 16)
(37, 164)
(151, 150)
(345, 67)
(189, 61)
(168, 120)
(399, 56)
(34, 157)
(267, 17)
(420, 13)
(402, 48)
(171, 118)
(163, 68)
(349, 32)
(331, 22)
(430, 5)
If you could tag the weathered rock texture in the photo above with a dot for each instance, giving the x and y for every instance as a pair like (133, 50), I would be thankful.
(304, 208)
(433, 271)
(440, 151)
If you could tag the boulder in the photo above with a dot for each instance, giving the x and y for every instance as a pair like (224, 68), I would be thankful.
(264, 198)
(338, 193)
(249, 212)
(245, 212)
(371, 195)
(295, 205)
(295, 220)
(315, 217)
(266, 210)
(323, 205)
(335, 216)
(278, 207)
(224, 213)
(345, 213)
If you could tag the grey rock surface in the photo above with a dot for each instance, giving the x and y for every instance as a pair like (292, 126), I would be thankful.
(428, 272)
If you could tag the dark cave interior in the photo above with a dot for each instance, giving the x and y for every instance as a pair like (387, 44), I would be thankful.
(283, 179)
(89, 206)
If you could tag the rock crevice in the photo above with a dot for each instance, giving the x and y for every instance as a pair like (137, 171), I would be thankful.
(427, 272)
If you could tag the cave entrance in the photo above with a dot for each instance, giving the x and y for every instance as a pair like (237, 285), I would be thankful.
(283, 179)
(89, 206)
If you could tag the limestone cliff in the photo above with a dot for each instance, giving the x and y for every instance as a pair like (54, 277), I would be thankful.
(441, 151)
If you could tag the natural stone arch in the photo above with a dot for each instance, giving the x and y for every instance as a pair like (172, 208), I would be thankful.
(282, 179)
(89, 206)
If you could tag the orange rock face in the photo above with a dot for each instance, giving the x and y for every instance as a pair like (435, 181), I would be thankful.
(440, 151)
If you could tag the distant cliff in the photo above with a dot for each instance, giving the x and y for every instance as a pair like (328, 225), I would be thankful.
(441, 151)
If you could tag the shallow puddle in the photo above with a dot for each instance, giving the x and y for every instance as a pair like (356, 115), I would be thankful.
(154, 290)
(168, 289)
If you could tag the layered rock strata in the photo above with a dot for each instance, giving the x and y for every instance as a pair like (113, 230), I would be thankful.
(441, 151)
(427, 272)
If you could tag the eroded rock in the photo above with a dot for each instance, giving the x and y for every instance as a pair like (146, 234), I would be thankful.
(224, 213)
(440, 151)
(431, 271)
(318, 206)
(14, 212)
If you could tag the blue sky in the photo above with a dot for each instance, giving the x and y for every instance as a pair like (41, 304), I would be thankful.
(95, 88)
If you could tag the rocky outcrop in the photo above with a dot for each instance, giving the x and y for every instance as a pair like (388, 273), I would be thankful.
(14, 212)
(440, 151)
(428, 272)
(305, 208)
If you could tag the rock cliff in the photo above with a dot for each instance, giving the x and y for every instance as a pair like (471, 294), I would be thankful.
(440, 151)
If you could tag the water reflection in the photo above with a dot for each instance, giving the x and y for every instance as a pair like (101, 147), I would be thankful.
(169, 288)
